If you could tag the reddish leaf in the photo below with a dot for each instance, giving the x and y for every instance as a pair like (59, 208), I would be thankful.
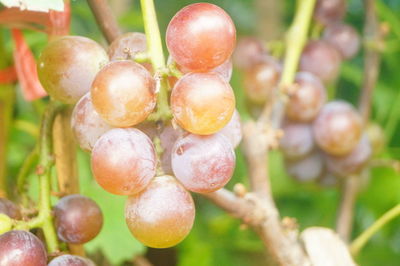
(8, 75)
(16, 18)
(25, 67)
(59, 21)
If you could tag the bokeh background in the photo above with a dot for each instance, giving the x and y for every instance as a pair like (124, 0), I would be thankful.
(216, 238)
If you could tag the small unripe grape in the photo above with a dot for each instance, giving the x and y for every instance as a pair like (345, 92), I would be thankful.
(68, 65)
(344, 37)
(126, 45)
(328, 11)
(78, 219)
(123, 93)
(201, 37)
(21, 248)
(202, 103)
(261, 79)
(306, 169)
(353, 162)
(337, 128)
(297, 140)
(203, 164)
(376, 137)
(123, 161)
(248, 52)
(308, 98)
(71, 260)
(168, 137)
(233, 130)
(162, 215)
(10, 209)
(322, 59)
(87, 124)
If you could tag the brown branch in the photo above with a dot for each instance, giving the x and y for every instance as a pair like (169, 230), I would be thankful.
(105, 19)
(373, 40)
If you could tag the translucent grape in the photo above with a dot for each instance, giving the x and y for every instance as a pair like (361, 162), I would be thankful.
(322, 59)
(201, 37)
(337, 128)
(123, 93)
(123, 161)
(233, 130)
(10, 209)
(308, 98)
(306, 169)
(78, 219)
(344, 37)
(297, 141)
(71, 260)
(248, 52)
(202, 103)
(86, 123)
(68, 65)
(328, 11)
(203, 163)
(261, 79)
(162, 215)
(353, 162)
(168, 137)
(21, 248)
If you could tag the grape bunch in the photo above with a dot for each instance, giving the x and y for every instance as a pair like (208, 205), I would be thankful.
(322, 140)
(154, 163)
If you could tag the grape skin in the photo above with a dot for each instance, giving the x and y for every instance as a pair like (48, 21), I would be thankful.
(337, 129)
(233, 130)
(203, 164)
(248, 52)
(329, 11)
(123, 93)
(126, 44)
(162, 215)
(19, 248)
(344, 37)
(201, 37)
(306, 169)
(123, 161)
(202, 103)
(68, 65)
(9, 208)
(71, 260)
(308, 98)
(78, 219)
(297, 141)
(168, 137)
(87, 124)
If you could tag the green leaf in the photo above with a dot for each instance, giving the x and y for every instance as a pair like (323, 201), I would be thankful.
(35, 5)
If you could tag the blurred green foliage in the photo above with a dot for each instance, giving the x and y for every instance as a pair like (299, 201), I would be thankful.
(218, 239)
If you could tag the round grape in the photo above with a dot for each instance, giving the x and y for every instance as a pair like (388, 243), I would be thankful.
(337, 128)
(344, 38)
(123, 161)
(71, 260)
(203, 163)
(353, 162)
(233, 130)
(328, 11)
(68, 65)
(19, 248)
(123, 93)
(297, 141)
(202, 103)
(201, 37)
(322, 59)
(162, 215)
(308, 98)
(306, 169)
(248, 52)
(126, 45)
(78, 219)
(261, 79)
(10, 209)
(86, 123)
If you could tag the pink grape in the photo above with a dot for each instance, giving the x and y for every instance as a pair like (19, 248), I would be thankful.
(168, 137)
(71, 260)
(297, 141)
(233, 130)
(328, 11)
(203, 163)
(249, 51)
(127, 44)
(344, 37)
(306, 169)
(10, 209)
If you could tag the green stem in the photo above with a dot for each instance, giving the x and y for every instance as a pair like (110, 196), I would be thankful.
(360, 241)
(25, 169)
(157, 59)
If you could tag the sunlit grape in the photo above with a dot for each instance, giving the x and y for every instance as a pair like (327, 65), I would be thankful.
(123, 161)
(68, 65)
(10, 209)
(201, 37)
(248, 52)
(297, 141)
(71, 260)
(162, 215)
(322, 59)
(344, 37)
(86, 123)
(202, 103)
(306, 169)
(337, 128)
(307, 99)
(233, 130)
(203, 163)
(78, 219)
(21, 248)
(123, 93)
(328, 11)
